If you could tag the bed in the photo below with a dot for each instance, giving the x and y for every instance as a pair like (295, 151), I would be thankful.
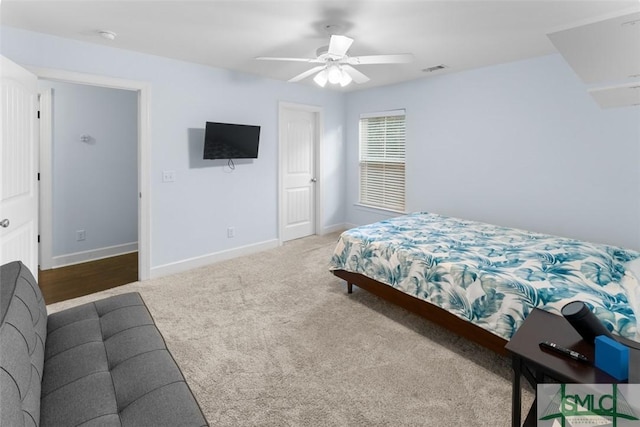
(481, 281)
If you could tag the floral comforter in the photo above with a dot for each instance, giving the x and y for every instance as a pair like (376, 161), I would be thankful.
(494, 276)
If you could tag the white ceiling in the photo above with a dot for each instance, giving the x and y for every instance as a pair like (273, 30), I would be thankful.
(229, 34)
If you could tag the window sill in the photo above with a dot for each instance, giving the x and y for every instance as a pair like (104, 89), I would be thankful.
(377, 209)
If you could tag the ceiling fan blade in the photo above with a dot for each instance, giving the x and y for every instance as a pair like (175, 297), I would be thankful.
(271, 58)
(339, 45)
(306, 74)
(356, 75)
(402, 58)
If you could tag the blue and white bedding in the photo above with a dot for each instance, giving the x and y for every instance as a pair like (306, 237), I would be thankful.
(494, 276)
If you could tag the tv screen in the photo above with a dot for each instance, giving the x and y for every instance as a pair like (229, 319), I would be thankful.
(231, 141)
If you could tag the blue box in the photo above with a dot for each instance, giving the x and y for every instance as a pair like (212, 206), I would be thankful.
(612, 357)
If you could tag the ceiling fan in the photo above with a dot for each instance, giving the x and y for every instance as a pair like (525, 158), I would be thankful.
(336, 67)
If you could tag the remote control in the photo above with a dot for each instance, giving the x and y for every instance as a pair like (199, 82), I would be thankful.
(564, 351)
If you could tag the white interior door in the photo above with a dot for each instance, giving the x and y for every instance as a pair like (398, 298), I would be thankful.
(19, 156)
(298, 135)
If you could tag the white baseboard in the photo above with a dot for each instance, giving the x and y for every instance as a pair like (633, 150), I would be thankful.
(334, 228)
(348, 226)
(200, 261)
(93, 255)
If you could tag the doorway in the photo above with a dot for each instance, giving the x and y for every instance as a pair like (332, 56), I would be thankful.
(299, 193)
(89, 169)
(141, 91)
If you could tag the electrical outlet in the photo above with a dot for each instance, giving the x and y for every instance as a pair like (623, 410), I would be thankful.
(168, 176)
(231, 232)
(80, 235)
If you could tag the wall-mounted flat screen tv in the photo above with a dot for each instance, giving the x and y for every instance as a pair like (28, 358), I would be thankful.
(231, 141)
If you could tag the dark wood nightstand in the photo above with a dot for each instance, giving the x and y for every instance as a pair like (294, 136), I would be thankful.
(539, 366)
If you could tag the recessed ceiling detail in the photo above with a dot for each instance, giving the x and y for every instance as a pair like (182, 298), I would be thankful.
(604, 52)
(621, 96)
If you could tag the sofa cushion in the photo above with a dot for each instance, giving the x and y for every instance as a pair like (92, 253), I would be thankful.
(23, 325)
(107, 364)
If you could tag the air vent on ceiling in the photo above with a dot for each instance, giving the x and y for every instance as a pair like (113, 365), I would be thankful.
(434, 68)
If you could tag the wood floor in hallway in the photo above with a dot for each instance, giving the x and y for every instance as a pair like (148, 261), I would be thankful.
(65, 283)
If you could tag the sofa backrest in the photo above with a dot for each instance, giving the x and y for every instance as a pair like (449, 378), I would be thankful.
(23, 329)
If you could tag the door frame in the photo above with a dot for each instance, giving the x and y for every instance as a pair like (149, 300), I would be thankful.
(45, 167)
(318, 113)
(143, 90)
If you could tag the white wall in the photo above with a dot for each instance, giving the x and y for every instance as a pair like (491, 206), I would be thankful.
(520, 144)
(190, 216)
(94, 183)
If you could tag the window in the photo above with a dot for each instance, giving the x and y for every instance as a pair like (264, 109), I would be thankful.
(382, 148)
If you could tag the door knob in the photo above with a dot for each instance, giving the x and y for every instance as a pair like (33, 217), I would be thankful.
(4, 223)
(314, 180)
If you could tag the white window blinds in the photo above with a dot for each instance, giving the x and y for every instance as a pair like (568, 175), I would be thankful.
(382, 159)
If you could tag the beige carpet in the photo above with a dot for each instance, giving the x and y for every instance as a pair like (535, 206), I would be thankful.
(273, 339)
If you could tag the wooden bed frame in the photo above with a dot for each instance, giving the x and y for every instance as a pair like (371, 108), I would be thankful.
(425, 309)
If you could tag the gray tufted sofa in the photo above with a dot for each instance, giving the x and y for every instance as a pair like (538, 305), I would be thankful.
(98, 364)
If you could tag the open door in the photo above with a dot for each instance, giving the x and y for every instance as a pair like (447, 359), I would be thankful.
(19, 159)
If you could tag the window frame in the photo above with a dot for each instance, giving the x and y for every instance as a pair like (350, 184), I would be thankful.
(382, 159)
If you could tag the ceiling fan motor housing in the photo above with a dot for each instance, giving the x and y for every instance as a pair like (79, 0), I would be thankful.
(323, 52)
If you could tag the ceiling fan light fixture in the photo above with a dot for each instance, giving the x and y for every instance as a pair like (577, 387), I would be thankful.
(334, 74)
(321, 78)
(346, 79)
